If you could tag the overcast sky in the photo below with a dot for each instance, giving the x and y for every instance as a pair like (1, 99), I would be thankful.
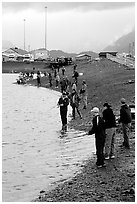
(71, 26)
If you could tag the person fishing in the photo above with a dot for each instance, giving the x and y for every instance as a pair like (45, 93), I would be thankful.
(63, 104)
(74, 102)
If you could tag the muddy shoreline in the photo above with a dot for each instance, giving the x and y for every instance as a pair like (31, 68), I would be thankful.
(115, 182)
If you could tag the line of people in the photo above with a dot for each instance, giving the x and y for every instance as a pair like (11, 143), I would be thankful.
(104, 129)
(103, 125)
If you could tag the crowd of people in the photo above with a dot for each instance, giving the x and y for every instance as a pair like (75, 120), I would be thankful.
(103, 125)
(70, 91)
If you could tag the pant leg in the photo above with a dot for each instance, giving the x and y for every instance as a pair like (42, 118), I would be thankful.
(99, 151)
(78, 111)
(112, 151)
(125, 128)
(108, 141)
(85, 101)
(63, 118)
(73, 110)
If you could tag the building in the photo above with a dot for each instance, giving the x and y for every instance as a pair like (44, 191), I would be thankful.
(40, 54)
(5, 57)
(83, 57)
(105, 53)
(14, 54)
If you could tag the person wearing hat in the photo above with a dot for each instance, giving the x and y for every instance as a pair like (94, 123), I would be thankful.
(63, 104)
(99, 131)
(125, 119)
(110, 126)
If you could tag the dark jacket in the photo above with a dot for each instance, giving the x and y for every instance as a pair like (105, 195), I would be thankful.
(64, 102)
(99, 129)
(125, 114)
(109, 118)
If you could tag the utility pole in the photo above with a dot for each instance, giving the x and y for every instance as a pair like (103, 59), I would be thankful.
(24, 32)
(46, 27)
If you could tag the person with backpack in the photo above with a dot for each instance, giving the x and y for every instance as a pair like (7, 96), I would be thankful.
(110, 130)
(125, 119)
(99, 130)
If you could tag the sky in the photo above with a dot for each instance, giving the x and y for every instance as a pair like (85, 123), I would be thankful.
(67, 26)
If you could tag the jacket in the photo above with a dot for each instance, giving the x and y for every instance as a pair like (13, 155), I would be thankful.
(125, 114)
(109, 118)
(63, 103)
(74, 99)
(98, 129)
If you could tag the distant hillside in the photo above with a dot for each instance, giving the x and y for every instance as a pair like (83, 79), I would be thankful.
(122, 44)
(59, 53)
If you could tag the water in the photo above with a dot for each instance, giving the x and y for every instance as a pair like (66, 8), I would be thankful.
(34, 155)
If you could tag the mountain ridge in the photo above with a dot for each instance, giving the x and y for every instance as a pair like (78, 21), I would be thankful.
(122, 44)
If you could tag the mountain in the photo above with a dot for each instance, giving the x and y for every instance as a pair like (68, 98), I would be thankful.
(123, 44)
(59, 53)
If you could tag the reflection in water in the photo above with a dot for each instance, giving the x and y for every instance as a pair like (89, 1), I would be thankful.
(35, 156)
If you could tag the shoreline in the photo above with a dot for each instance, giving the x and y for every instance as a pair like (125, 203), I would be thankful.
(115, 182)
(82, 187)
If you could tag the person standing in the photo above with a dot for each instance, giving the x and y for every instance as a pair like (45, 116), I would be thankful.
(63, 70)
(63, 104)
(110, 130)
(75, 76)
(83, 93)
(74, 102)
(125, 119)
(50, 79)
(38, 78)
(63, 85)
(99, 130)
(57, 80)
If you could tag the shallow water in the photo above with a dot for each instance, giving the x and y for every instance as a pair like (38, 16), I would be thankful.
(34, 154)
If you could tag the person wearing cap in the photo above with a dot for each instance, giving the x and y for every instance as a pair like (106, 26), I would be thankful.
(63, 104)
(83, 93)
(110, 126)
(125, 119)
(99, 131)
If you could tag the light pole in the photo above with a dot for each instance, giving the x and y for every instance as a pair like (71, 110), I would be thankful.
(24, 32)
(46, 27)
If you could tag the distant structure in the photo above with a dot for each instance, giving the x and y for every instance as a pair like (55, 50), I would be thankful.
(13, 54)
(83, 57)
(104, 54)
